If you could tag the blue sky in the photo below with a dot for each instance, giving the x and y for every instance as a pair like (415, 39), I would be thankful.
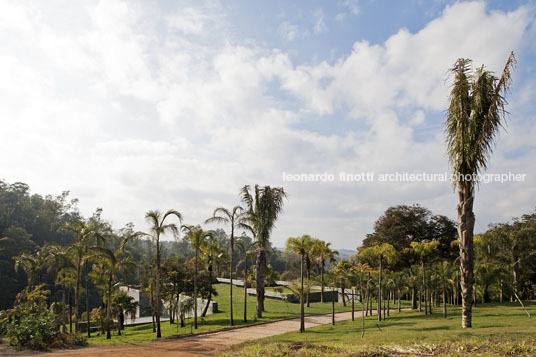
(135, 105)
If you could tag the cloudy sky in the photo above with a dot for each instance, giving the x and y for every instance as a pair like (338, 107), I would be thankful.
(138, 105)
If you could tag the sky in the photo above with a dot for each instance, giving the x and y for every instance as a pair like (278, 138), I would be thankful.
(140, 105)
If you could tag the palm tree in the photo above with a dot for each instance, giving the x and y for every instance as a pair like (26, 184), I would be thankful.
(322, 252)
(300, 246)
(157, 220)
(111, 262)
(475, 114)
(84, 233)
(233, 218)
(342, 270)
(60, 257)
(444, 272)
(376, 255)
(263, 206)
(197, 238)
(213, 254)
(423, 249)
(247, 249)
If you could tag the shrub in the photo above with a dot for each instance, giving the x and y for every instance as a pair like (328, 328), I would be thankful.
(31, 324)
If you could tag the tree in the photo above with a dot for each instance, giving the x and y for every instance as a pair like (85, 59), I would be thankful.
(376, 255)
(475, 114)
(213, 254)
(158, 228)
(233, 218)
(84, 233)
(263, 206)
(322, 252)
(111, 262)
(247, 248)
(197, 238)
(300, 245)
(444, 272)
(423, 249)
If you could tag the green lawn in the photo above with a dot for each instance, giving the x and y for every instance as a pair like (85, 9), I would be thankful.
(275, 310)
(497, 330)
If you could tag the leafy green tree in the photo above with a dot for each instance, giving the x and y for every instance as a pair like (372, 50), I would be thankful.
(263, 206)
(234, 219)
(475, 114)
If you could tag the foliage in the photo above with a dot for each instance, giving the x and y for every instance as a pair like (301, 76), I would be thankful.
(32, 324)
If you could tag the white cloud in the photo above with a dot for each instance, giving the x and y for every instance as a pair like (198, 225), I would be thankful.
(132, 113)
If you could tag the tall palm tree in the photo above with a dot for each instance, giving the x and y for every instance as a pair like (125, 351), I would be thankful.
(247, 249)
(263, 206)
(233, 218)
(300, 246)
(322, 252)
(157, 220)
(475, 114)
(84, 234)
(197, 237)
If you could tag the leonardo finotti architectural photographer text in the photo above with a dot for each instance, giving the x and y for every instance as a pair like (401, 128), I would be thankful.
(370, 176)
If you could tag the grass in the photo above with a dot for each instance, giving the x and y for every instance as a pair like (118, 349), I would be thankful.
(275, 310)
(498, 329)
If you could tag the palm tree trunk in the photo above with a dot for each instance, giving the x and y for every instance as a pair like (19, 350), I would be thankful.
(466, 223)
(259, 281)
(70, 312)
(444, 300)
(195, 290)
(77, 293)
(308, 282)
(333, 305)
(380, 292)
(398, 295)
(109, 310)
(246, 288)
(388, 306)
(152, 307)
(353, 293)
(87, 299)
(302, 312)
(322, 282)
(231, 277)
(158, 332)
(368, 295)
(64, 312)
(342, 292)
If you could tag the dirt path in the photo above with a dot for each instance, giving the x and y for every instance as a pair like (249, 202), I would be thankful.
(206, 344)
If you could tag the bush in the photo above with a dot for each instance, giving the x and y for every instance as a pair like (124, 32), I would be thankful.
(31, 324)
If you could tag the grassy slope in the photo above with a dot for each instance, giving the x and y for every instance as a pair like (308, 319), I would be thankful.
(275, 310)
(497, 329)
